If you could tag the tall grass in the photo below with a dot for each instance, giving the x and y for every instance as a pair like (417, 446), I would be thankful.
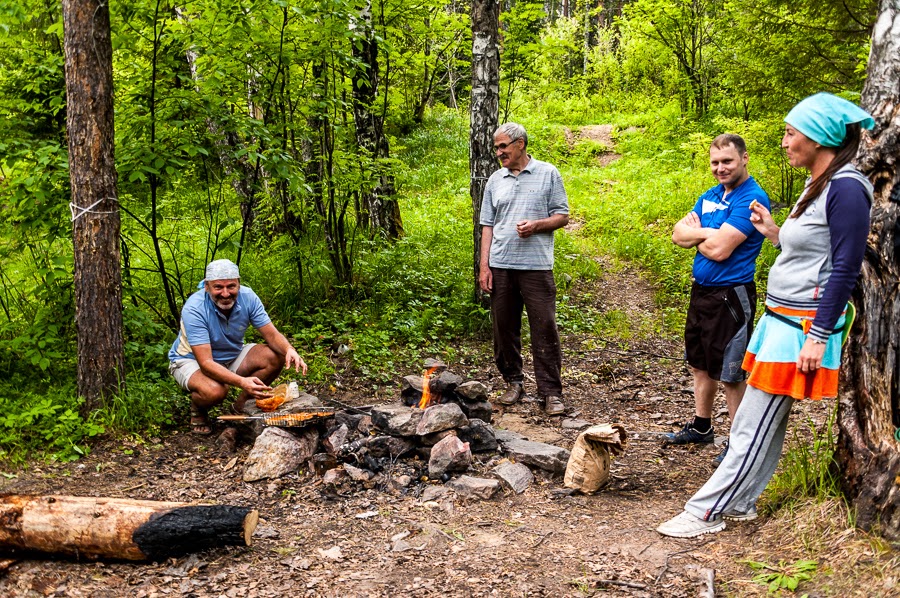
(807, 469)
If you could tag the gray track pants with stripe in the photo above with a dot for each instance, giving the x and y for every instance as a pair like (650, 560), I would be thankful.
(754, 448)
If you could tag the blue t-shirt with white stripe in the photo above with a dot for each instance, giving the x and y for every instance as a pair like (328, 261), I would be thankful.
(715, 208)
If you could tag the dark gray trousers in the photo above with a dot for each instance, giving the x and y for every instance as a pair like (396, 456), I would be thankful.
(535, 290)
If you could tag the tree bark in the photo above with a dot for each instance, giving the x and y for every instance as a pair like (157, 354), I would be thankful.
(381, 210)
(869, 407)
(119, 528)
(95, 209)
(484, 109)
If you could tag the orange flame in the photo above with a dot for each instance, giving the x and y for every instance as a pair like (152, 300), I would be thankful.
(426, 389)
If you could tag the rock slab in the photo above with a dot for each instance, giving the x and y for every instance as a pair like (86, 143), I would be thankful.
(515, 475)
(438, 418)
(473, 391)
(479, 435)
(471, 487)
(396, 420)
(278, 452)
(548, 457)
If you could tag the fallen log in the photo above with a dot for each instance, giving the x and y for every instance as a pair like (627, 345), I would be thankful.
(119, 528)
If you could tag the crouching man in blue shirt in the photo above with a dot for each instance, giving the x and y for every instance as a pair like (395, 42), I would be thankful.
(209, 354)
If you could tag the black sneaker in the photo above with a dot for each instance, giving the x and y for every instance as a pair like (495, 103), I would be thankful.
(721, 456)
(688, 435)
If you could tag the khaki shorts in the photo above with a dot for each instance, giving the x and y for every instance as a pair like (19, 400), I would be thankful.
(183, 369)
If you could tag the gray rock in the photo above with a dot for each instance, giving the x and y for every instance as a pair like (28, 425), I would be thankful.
(545, 456)
(470, 487)
(503, 435)
(401, 481)
(365, 425)
(444, 383)
(358, 475)
(411, 386)
(473, 391)
(479, 435)
(434, 493)
(449, 455)
(389, 446)
(333, 477)
(335, 439)
(277, 452)
(438, 418)
(515, 475)
(482, 410)
(396, 420)
(575, 424)
(351, 420)
(265, 531)
(438, 365)
(433, 439)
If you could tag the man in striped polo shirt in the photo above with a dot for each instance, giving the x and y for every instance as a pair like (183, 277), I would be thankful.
(524, 203)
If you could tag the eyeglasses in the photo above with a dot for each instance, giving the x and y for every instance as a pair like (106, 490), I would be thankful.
(503, 146)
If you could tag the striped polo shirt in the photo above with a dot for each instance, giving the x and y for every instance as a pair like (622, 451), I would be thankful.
(536, 193)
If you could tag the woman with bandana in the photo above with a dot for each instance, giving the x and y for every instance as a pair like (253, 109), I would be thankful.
(795, 351)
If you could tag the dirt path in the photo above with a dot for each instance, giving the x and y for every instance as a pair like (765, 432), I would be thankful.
(539, 543)
(385, 541)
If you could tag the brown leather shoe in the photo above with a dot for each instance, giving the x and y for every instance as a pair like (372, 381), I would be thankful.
(554, 406)
(512, 395)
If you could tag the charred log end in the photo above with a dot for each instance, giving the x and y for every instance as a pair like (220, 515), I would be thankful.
(193, 528)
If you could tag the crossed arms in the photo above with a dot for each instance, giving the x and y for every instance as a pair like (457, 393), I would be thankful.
(716, 244)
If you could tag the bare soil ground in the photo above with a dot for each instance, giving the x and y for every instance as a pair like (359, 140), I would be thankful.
(539, 543)
(385, 541)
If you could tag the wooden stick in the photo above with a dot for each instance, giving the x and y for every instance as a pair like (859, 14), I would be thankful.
(119, 528)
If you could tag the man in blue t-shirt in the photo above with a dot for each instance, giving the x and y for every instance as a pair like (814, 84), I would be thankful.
(209, 354)
(723, 294)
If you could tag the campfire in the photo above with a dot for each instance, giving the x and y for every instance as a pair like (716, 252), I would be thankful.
(439, 429)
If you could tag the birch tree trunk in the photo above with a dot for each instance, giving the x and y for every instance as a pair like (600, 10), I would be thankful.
(95, 207)
(484, 109)
(869, 409)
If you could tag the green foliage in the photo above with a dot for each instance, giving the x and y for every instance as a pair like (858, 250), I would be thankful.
(147, 408)
(783, 576)
(35, 425)
(235, 133)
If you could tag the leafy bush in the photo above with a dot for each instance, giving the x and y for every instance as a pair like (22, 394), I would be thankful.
(50, 426)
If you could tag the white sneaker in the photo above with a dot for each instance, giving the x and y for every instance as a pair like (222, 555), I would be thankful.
(687, 525)
(738, 516)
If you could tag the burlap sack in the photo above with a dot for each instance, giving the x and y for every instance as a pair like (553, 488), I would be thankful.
(588, 467)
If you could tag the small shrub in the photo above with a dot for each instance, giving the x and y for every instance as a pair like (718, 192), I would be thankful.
(808, 469)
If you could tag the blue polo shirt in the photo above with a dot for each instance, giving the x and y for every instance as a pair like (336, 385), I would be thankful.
(203, 324)
(715, 208)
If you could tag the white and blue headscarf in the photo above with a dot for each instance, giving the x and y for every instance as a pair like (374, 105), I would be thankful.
(220, 270)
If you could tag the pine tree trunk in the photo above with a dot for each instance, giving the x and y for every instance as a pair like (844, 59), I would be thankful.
(869, 408)
(484, 112)
(119, 528)
(95, 229)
